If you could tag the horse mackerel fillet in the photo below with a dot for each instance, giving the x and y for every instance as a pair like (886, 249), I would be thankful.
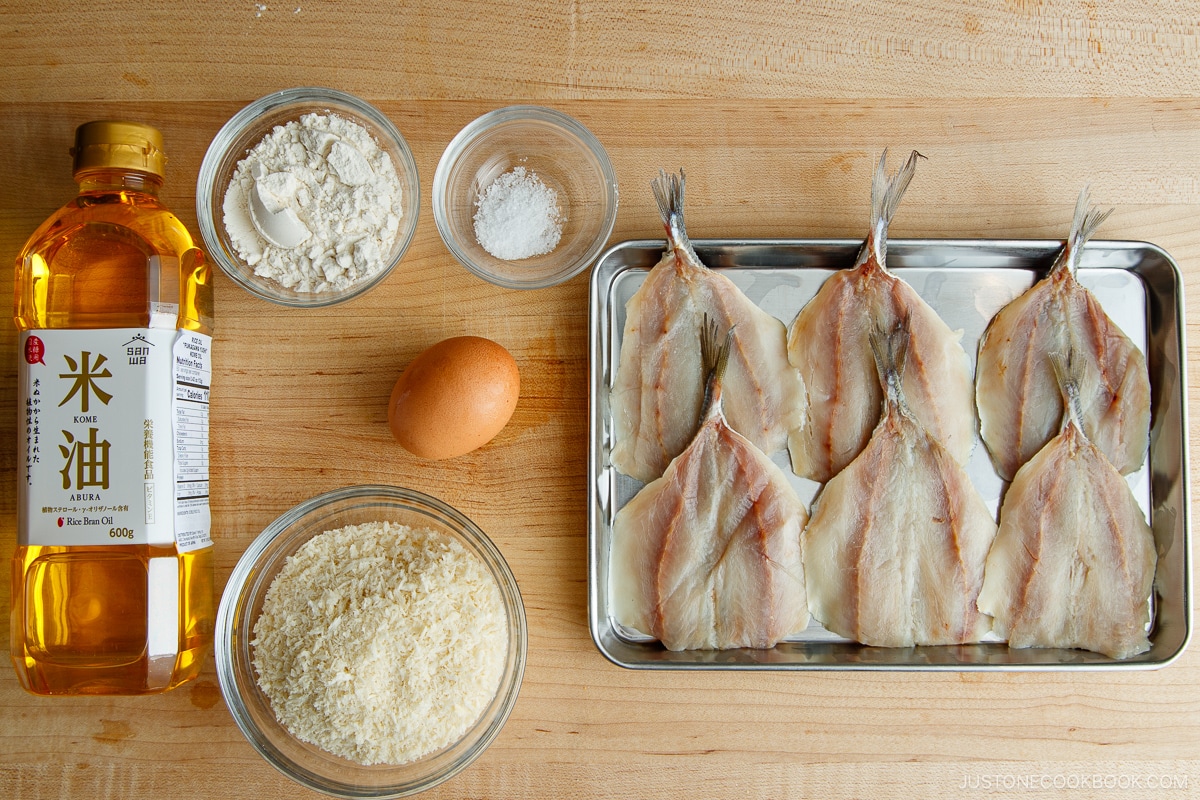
(828, 344)
(708, 556)
(658, 389)
(894, 553)
(1021, 406)
(1073, 561)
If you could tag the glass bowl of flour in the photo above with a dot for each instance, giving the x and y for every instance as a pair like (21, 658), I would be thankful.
(525, 197)
(308, 197)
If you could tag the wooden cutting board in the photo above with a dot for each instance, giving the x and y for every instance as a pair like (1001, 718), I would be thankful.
(777, 112)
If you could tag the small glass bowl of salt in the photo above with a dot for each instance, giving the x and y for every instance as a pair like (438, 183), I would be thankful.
(525, 197)
(308, 197)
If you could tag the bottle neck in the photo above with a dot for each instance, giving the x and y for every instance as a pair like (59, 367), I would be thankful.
(118, 180)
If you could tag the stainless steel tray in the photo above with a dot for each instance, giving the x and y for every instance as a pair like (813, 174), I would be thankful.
(967, 282)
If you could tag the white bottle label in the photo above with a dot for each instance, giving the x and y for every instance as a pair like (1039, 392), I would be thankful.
(115, 425)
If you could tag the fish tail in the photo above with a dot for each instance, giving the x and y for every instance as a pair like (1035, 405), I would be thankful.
(1084, 224)
(1068, 371)
(714, 358)
(886, 193)
(890, 349)
(668, 191)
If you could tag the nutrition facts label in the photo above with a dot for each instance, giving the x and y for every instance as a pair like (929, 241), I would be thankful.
(192, 376)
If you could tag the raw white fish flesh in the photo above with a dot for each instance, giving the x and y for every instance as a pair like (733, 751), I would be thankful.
(895, 550)
(708, 555)
(1020, 402)
(657, 392)
(828, 343)
(1073, 562)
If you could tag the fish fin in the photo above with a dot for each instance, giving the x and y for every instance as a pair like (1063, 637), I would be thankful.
(1068, 371)
(886, 193)
(1084, 225)
(714, 358)
(890, 349)
(668, 191)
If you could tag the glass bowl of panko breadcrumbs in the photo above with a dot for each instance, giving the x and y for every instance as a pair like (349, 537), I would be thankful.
(371, 642)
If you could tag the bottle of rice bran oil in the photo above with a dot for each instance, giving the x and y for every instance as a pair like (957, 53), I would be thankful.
(112, 580)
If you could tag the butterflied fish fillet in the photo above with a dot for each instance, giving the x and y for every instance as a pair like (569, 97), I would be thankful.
(1073, 561)
(828, 343)
(894, 553)
(1020, 404)
(657, 392)
(708, 555)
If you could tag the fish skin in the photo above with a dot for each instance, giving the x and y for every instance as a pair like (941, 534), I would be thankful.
(656, 393)
(894, 551)
(1073, 561)
(1019, 400)
(708, 555)
(828, 344)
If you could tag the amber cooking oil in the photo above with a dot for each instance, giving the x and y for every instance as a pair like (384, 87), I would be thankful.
(112, 579)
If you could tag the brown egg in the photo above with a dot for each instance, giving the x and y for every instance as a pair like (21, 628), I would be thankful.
(454, 397)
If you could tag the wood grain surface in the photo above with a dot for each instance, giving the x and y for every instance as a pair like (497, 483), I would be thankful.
(777, 111)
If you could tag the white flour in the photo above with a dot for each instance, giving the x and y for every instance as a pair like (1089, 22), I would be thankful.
(330, 205)
(517, 216)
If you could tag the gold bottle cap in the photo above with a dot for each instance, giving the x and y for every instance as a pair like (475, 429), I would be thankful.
(123, 145)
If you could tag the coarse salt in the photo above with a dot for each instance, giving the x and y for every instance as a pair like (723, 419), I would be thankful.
(517, 216)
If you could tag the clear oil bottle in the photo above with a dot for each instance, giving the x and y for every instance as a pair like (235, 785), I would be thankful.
(112, 580)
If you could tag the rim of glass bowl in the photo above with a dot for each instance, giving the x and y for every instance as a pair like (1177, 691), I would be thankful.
(523, 113)
(224, 152)
(234, 631)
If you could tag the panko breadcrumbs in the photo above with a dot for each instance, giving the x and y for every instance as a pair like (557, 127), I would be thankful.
(381, 643)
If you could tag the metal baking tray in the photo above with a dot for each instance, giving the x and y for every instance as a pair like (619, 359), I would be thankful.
(967, 282)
